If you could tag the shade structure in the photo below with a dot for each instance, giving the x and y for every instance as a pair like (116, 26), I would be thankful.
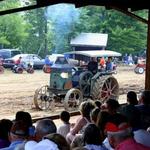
(95, 53)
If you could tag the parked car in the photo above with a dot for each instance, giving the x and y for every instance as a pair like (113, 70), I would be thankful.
(8, 53)
(54, 58)
(58, 59)
(34, 59)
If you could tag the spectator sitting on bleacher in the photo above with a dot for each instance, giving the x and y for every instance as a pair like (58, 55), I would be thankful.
(94, 114)
(144, 108)
(65, 128)
(18, 134)
(59, 140)
(98, 104)
(44, 127)
(119, 133)
(44, 144)
(5, 126)
(85, 110)
(111, 106)
(130, 111)
(102, 118)
(26, 117)
(92, 138)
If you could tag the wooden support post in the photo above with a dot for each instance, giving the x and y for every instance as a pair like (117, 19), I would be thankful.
(147, 74)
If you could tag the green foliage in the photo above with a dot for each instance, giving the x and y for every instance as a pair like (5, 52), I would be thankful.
(12, 27)
(125, 34)
(33, 32)
(39, 40)
(9, 4)
(12, 31)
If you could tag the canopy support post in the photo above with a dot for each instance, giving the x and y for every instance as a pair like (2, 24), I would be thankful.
(147, 73)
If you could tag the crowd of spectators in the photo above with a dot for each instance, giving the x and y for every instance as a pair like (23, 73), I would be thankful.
(101, 126)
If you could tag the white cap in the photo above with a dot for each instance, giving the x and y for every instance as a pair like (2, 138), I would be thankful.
(42, 145)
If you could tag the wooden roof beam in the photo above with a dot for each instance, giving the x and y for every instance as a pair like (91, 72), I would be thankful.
(128, 13)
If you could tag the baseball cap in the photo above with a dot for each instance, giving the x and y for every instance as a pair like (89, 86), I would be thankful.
(117, 123)
(111, 127)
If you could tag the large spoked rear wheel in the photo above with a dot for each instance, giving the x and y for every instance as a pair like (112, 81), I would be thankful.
(85, 82)
(104, 88)
(73, 99)
(44, 98)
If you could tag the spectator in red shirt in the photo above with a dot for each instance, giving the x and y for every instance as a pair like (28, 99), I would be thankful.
(120, 137)
(18, 61)
(102, 62)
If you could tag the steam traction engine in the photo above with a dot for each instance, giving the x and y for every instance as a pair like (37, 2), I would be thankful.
(69, 86)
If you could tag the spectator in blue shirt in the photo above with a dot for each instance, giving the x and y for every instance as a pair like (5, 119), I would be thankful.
(109, 64)
(47, 61)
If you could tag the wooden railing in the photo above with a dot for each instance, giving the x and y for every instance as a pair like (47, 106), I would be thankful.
(55, 117)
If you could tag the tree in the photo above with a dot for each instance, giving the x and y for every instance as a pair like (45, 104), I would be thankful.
(125, 34)
(12, 28)
(39, 40)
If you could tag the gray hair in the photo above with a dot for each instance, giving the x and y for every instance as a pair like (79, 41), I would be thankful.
(45, 126)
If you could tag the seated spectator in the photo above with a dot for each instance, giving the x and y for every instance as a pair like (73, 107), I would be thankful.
(24, 116)
(93, 65)
(92, 138)
(94, 114)
(132, 98)
(109, 64)
(98, 104)
(102, 119)
(65, 128)
(59, 140)
(102, 62)
(111, 106)
(5, 126)
(80, 148)
(42, 145)
(119, 134)
(144, 108)
(130, 111)
(142, 136)
(18, 61)
(18, 134)
(77, 141)
(44, 127)
(85, 110)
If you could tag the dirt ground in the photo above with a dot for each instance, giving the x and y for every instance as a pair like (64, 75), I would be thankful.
(17, 90)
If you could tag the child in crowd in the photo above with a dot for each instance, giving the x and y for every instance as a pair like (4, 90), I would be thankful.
(65, 128)
(85, 109)
(98, 104)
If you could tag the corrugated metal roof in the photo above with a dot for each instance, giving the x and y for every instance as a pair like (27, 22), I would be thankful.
(90, 39)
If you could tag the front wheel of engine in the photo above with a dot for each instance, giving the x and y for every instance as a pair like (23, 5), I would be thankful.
(73, 99)
(43, 98)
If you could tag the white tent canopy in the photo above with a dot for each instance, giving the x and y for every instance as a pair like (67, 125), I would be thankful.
(96, 53)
